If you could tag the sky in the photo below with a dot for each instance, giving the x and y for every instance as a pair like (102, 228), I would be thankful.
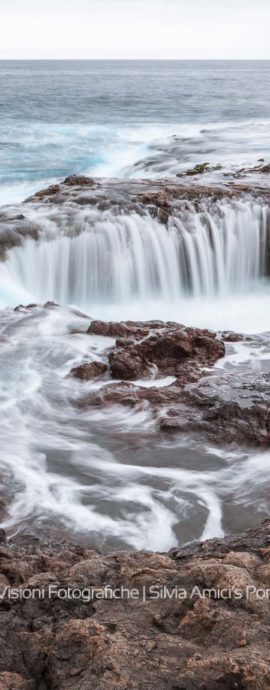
(134, 29)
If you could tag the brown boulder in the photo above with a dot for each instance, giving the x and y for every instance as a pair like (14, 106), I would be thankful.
(144, 346)
(166, 349)
(88, 371)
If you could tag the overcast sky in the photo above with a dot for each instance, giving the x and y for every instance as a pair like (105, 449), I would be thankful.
(132, 29)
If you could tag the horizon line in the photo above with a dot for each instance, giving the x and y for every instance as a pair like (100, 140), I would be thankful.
(97, 59)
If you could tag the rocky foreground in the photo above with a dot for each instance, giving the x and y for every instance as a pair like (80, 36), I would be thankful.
(195, 618)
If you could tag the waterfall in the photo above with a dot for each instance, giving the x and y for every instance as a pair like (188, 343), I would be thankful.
(93, 256)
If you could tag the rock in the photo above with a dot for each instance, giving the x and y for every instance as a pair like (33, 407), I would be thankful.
(197, 617)
(200, 169)
(13, 229)
(135, 330)
(210, 409)
(89, 370)
(130, 395)
(223, 407)
(3, 582)
(49, 191)
(2, 532)
(79, 181)
(88, 572)
(164, 350)
(233, 422)
(230, 337)
(259, 169)
(142, 346)
(13, 681)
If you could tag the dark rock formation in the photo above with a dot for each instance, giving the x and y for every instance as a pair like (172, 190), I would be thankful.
(199, 170)
(223, 406)
(89, 370)
(13, 230)
(203, 409)
(195, 618)
(158, 196)
(79, 181)
(169, 347)
(48, 192)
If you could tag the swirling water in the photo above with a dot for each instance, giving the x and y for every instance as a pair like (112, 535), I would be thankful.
(109, 475)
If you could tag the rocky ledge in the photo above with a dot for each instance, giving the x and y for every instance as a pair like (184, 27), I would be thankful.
(195, 618)
(222, 405)
(162, 199)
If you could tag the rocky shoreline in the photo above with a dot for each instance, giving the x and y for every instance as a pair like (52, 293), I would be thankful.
(196, 617)
(225, 409)
(221, 406)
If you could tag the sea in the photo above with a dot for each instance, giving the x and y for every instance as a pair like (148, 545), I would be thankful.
(128, 119)
(108, 476)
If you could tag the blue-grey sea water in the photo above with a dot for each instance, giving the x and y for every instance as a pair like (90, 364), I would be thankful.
(132, 119)
(107, 473)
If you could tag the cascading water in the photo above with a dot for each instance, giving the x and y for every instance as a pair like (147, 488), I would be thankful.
(78, 468)
(97, 256)
(106, 472)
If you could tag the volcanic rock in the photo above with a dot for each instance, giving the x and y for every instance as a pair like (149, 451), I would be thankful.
(198, 616)
(79, 181)
(221, 406)
(168, 347)
(89, 370)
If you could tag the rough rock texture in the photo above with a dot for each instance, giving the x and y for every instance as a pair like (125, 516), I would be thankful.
(71, 181)
(200, 169)
(89, 370)
(13, 230)
(160, 196)
(225, 406)
(169, 347)
(205, 409)
(208, 629)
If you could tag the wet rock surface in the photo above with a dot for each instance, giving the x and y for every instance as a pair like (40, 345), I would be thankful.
(163, 199)
(88, 371)
(207, 628)
(160, 197)
(169, 348)
(224, 413)
(222, 405)
(14, 228)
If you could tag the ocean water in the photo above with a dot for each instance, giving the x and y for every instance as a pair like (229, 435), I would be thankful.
(127, 119)
(109, 476)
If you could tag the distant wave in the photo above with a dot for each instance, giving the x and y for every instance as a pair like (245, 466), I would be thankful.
(34, 156)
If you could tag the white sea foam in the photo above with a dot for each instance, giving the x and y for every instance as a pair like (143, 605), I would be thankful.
(140, 150)
(207, 269)
(107, 472)
(104, 472)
